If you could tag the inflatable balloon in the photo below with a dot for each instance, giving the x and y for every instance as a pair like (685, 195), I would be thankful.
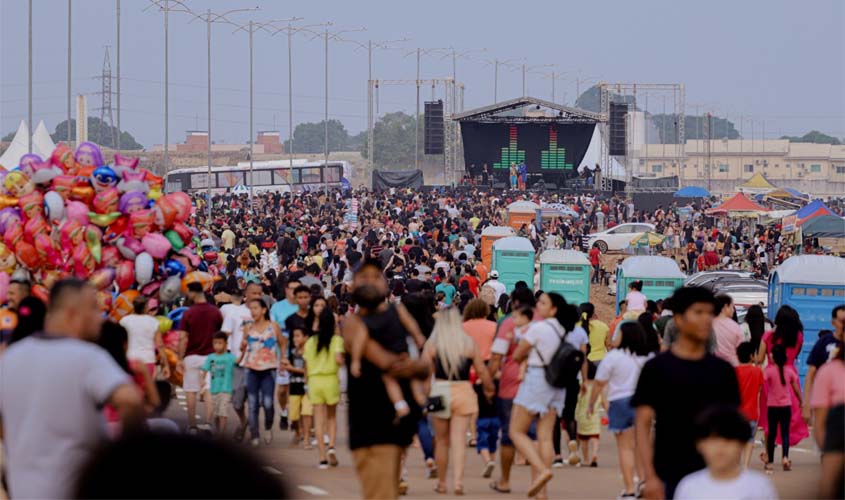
(47, 251)
(129, 247)
(143, 268)
(132, 202)
(122, 304)
(83, 262)
(115, 230)
(62, 157)
(182, 202)
(102, 278)
(125, 274)
(106, 200)
(8, 201)
(13, 235)
(165, 212)
(183, 231)
(72, 234)
(103, 220)
(111, 256)
(82, 193)
(35, 226)
(124, 163)
(176, 314)
(170, 289)
(7, 259)
(54, 207)
(32, 204)
(63, 184)
(173, 268)
(164, 324)
(134, 181)
(49, 277)
(156, 245)
(141, 223)
(154, 194)
(174, 239)
(88, 154)
(43, 173)
(9, 217)
(27, 255)
(41, 293)
(18, 184)
(103, 178)
(78, 211)
(94, 241)
(193, 259)
(104, 300)
(5, 279)
(204, 279)
(210, 257)
(26, 162)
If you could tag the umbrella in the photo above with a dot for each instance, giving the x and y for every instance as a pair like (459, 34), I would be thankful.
(647, 239)
(692, 192)
(240, 189)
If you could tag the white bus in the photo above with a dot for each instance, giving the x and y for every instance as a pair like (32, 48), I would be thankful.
(274, 175)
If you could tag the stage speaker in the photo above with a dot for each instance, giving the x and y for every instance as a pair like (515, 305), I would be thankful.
(434, 136)
(617, 143)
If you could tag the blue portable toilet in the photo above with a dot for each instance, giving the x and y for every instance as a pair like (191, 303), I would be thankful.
(812, 285)
(566, 272)
(513, 258)
(660, 277)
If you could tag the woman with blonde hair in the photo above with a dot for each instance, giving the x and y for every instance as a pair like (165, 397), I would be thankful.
(453, 352)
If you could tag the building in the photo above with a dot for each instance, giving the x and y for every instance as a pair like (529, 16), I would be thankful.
(812, 168)
(196, 141)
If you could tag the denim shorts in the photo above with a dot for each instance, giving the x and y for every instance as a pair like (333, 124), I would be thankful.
(537, 396)
(620, 415)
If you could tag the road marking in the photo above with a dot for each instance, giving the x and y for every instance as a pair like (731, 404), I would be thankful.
(272, 470)
(313, 490)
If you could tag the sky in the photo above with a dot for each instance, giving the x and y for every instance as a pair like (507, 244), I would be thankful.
(780, 65)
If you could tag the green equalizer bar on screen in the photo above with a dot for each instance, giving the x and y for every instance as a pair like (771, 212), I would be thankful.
(554, 157)
(510, 154)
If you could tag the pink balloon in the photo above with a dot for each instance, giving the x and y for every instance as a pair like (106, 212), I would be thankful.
(4, 286)
(78, 211)
(183, 205)
(125, 275)
(156, 245)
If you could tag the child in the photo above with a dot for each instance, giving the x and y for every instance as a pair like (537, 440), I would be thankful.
(779, 383)
(522, 317)
(487, 428)
(221, 366)
(750, 379)
(298, 403)
(589, 423)
(721, 436)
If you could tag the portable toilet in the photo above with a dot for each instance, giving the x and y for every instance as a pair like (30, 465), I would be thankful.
(521, 212)
(812, 285)
(513, 258)
(489, 235)
(660, 277)
(566, 272)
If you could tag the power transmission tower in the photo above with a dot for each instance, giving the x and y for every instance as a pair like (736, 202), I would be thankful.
(105, 100)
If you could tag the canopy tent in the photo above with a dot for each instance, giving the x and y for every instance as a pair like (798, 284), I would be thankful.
(814, 209)
(647, 239)
(786, 193)
(825, 226)
(738, 205)
(756, 184)
(692, 192)
(42, 145)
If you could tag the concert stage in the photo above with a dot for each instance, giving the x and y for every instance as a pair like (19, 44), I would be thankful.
(550, 138)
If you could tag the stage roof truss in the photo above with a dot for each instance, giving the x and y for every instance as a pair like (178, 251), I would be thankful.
(561, 114)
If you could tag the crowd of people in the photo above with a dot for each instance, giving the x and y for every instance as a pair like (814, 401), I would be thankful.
(388, 309)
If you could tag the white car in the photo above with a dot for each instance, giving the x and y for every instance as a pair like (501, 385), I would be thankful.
(618, 237)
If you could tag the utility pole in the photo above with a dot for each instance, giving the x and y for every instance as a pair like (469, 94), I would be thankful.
(526, 69)
(69, 43)
(166, 89)
(117, 16)
(326, 119)
(29, 82)
(420, 52)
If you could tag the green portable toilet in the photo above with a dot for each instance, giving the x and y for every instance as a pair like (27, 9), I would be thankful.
(660, 277)
(566, 272)
(513, 258)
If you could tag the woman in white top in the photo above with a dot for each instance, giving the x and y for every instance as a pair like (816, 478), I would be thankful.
(635, 299)
(144, 337)
(619, 372)
(536, 398)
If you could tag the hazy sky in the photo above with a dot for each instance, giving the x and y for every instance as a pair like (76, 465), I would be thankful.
(780, 62)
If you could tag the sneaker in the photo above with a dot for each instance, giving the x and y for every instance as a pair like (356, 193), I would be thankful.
(323, 465)
(268, 437)
(332, 457)
(325, 439)
(488, 469)
(283, 422)
(558, 463)
(254, 442)
(573, 454)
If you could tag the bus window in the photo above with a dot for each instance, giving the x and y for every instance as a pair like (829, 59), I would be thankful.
(311, 175)
(261, 177)
(200, 181)
(230, 179)
(173, 184)
(333, 174)
(285, 176)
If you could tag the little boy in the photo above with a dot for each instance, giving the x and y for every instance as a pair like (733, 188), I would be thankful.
(300, 409)
(522, 317)
(721, 435)
(589, 422)
(487, 428)
(750, 379)
(221, 366)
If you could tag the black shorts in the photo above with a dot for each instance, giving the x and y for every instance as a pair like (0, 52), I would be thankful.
(834, 434)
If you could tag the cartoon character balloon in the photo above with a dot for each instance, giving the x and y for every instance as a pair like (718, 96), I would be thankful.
(18, 184)
(88, 154)
(103, 178)
(132, 202)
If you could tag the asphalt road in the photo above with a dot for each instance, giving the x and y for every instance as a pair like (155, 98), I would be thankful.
(298, 469)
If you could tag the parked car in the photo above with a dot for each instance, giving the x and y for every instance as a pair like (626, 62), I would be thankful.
(702, 277)
(745, 293)
(618, 237)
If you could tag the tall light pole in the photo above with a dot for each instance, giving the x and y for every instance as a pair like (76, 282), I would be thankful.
(384, 45)
(526, 68)
(29, 82)
(554, 76)
(420, 52)
(117, 16)
(69, 42)
(495, 63)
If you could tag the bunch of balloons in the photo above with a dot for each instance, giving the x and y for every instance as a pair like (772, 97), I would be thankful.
(73, 215)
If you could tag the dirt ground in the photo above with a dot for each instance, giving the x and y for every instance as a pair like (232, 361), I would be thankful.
(605, 304)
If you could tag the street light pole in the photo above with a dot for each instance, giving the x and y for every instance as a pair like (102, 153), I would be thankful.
(251, 140)
(417, 119)
(166, 89)
(208, 136)
(118, 74)
(69, 41)
(290, 101)
(29, 80)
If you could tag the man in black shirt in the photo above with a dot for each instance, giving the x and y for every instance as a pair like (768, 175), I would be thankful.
(673, 389)
(376, 441)
(302, 297)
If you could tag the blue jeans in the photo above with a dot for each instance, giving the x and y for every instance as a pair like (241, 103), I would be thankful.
(426, 439)
(260, 383)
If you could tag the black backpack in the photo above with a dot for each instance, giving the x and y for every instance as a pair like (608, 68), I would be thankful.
(565, 364)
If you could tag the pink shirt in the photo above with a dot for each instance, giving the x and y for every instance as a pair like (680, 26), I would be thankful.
(482, 331)
(779, 394)
(829, 385)
(728, 336)
(636, 301)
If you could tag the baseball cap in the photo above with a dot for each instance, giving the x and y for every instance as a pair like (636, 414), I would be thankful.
(494, 274)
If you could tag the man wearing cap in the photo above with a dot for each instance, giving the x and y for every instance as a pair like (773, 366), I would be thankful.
(495, 284)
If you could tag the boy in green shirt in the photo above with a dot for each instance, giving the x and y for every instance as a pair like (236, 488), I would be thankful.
(221, 364)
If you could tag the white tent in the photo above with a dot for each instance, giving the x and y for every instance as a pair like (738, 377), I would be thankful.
(42, 145)
(592, 157)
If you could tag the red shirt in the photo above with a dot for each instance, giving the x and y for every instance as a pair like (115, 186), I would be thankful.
(472, 282)
(750, 379)
(201, 321)
(594, 256)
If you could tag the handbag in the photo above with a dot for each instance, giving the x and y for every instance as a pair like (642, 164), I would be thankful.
(435, 404)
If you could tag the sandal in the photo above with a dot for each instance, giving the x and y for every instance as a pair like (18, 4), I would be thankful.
(440, 490)
(764, 457)
(495, 487)
(787, 465)
(459, 490)
(769, 469)
(541, 481)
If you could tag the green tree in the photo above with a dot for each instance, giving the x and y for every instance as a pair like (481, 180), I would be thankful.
(394, 145)
(98, 133)
(815, 137)
(694, 127)
(311, 137)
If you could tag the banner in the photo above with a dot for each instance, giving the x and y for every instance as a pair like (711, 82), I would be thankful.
(790, 222)
(387, 179)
